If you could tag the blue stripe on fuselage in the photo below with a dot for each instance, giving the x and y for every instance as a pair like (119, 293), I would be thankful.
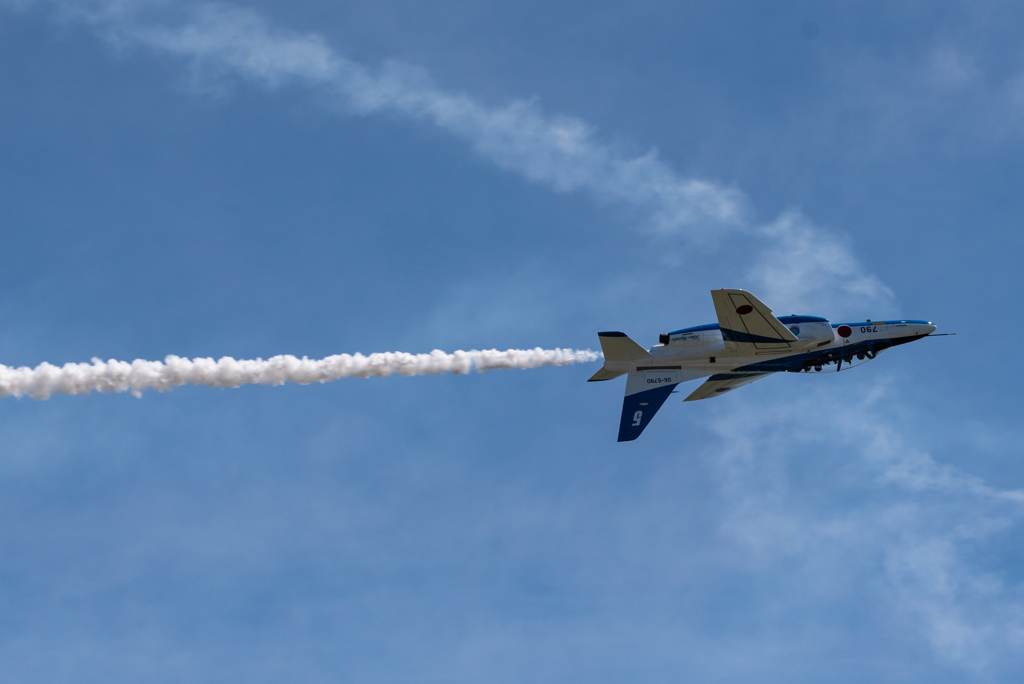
(797, 362)
(696, 328)
(885, 322)
(786, 320)
(737, 336)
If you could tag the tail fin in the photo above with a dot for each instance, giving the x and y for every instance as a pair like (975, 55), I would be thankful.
(645, 393)
(619, 351)
(618, 347)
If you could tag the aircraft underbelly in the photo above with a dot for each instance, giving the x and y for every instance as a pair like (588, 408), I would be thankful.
(698, 364)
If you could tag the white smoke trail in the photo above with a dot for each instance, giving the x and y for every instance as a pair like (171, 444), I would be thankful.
(45, 380)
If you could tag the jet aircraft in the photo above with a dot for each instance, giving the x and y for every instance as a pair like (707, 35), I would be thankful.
(748, 343)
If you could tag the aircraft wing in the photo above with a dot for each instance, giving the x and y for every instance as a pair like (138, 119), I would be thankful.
(717, 385)
(747, 323)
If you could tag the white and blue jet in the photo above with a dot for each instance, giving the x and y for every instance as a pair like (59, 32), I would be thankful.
(748, 343)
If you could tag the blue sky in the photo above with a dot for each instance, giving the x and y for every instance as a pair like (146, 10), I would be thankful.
(303, 178)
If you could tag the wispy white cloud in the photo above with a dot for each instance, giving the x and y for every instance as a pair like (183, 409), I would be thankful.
(885, 504)
(946, 96)
(805, 268)
(917, 528)
(560, 151)
(950, 69)
(563, 152)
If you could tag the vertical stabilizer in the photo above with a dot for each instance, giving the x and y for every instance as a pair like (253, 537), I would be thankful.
(619, 353)
(645, 393)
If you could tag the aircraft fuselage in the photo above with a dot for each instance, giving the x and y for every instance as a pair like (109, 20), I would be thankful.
(703, 348)
(748, 343)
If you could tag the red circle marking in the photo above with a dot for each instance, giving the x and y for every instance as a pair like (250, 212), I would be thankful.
(744, 310)
(845, 331)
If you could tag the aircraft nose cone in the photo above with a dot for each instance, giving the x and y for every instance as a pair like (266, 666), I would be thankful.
(929, 329)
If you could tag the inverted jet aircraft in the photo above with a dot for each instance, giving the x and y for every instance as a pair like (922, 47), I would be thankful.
(748, 343)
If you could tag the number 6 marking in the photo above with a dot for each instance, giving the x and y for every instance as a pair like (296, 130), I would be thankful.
(636, 418)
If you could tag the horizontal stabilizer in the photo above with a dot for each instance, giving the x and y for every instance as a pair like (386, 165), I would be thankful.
(717, 385)
(605, 374)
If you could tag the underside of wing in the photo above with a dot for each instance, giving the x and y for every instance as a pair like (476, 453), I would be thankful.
(717, 385)
(747, 323)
